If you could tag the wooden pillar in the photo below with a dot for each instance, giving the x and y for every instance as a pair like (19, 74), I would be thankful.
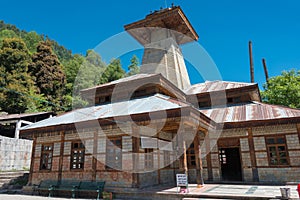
(94, 161)
(158, 159)
(17, 131)
(135, 150)
(61, 156)
(185, 159)
(32, 160)
(199, 167)
(208, 157)
(255, 176)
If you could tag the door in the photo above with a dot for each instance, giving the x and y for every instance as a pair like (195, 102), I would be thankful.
(230, 164)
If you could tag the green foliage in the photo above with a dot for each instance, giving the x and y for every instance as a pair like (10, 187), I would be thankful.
(134, 66)
(32, 40)
(283, 89)
(38, 74)
(112, 72)
(50, 78)
(15, 82)
(6, 34)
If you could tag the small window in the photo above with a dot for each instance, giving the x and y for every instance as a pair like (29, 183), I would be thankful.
(203, 104)
(167, 159)
(277, 151)
(191, 156)
(46, 157)
(149, 158)
(77, 155)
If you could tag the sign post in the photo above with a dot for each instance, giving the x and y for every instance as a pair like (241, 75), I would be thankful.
(182, 181)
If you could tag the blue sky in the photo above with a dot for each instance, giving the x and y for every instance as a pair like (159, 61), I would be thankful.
(224, 27)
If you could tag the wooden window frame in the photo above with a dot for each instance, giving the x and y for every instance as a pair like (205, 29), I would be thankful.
(167, 159)
(191, 155)
(113, 148)
(149, 159)
(46, 157)
(277, 145)
(77, 155)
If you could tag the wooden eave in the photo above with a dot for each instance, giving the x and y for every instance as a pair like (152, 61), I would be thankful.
(170, 18)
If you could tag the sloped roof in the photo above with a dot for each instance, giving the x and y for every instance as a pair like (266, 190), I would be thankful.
(212, 86)
(154, 103)
(252, 111)
(20, 116)
(122, 80)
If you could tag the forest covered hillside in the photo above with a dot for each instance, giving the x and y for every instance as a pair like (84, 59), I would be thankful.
(38, 74)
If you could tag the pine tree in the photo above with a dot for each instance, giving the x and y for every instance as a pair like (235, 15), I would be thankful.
(113, 72)
(134, 66)
(49, 76)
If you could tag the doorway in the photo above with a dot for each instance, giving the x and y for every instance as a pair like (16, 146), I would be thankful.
(230, 164)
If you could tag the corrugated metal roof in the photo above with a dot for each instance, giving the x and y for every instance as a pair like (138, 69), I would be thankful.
(122, 80)
(210, 86)
(19, 116)
(154, 103)
(249, 112)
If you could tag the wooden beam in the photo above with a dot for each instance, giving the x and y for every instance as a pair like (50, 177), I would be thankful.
(199, 167)
(32, 160)
(208, 157)
(95, 161)
(298, 130)
(135, 150)
(255, 176)
(61, 156)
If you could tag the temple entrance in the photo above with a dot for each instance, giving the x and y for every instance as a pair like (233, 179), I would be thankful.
(230, 164)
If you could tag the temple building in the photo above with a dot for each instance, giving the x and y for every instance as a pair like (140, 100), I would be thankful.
(142, 130)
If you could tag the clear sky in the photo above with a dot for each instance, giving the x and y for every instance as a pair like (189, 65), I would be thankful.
(224, 27)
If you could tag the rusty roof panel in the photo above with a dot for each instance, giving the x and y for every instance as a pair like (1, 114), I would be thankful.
(211, 86)
(250, 112)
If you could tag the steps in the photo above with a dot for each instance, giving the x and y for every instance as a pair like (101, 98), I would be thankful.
(13, 180)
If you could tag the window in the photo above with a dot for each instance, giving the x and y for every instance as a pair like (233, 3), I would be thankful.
(277, 151)
(167, 160)
(104, 99)
(148, 158)
(191, 157)
(77, 155)
(46, 157)
(114, 153)
(234, 100)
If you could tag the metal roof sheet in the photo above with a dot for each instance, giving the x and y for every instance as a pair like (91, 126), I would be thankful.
(122, 80)
(249, 112)
(23, 115)
(154, 103)
(211, 86)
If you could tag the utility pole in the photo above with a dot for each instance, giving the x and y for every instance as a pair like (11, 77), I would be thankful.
(266, 70)
(251, 62)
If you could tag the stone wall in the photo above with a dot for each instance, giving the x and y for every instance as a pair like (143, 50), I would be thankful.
(15, 154)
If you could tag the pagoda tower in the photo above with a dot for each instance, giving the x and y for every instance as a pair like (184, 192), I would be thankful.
(161, 33)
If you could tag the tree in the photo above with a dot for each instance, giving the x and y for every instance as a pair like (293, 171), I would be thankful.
(134, 66)
(15, 82)
(112, 72)
(50, 78)
(32, 40)
(6, 34)
(283, 89)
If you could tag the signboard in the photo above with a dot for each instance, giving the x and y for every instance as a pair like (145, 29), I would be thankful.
(181, 180)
